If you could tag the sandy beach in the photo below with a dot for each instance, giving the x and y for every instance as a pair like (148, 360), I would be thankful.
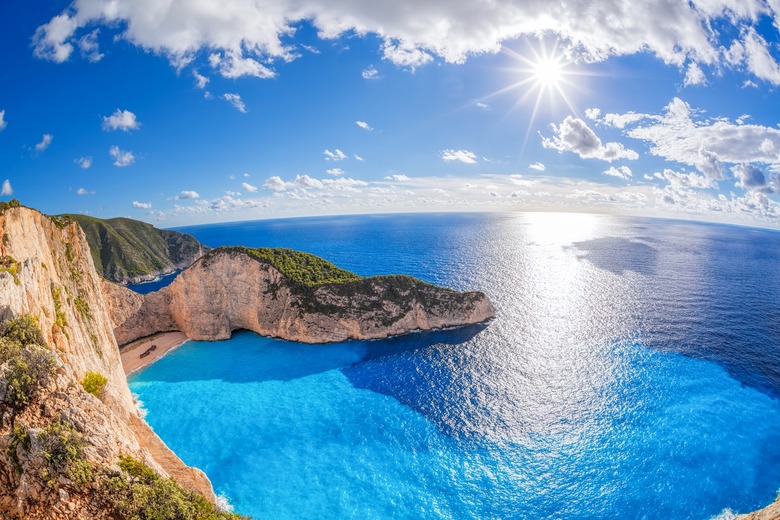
(164, 341)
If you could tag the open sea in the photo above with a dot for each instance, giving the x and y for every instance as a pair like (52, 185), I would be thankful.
(632, 371)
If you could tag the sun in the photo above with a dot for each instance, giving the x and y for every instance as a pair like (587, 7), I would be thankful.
(548, 72)
(543, 77)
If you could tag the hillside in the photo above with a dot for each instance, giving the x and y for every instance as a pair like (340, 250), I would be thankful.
(72, 443)
(129, 251)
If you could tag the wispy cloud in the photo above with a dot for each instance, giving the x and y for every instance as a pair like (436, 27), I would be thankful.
(364, 125)
(236, 101)
(121, 120)
(398, 177)
(621, 172)
(537, 166)
(45, 142)
(463, 156)
(370, 73)
(336, 155)
(248, 187)
(83, 191)
(335, 171)
(3, 122)
(574, 135)
(84, 162)
(187, 195)
(6, 190)
(142, 205)
(121, 157)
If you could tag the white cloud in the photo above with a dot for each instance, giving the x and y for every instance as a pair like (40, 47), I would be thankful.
(45, 142)
(482, 105)
(335, 171)
(6, 189)
(592, 113)
(89, 47)
(3, 122)
(121, 158)
(82, 191)
(245, 175)
(142, 205)
(751, 177)
(463, 156)
(370, 73)
(364, 125)
(275, 183)
(398, 177)
(248, 187)
(336, 155)
(243, 35)
(200, 80)
(621, 172)
(681, 180)
(621, 120)
(537, 166)
(236, 101)
(187, 195)
(404, 54)
(121, 120)
(679, 135)
(754, 53)
(84, 162)
(358, 158)
(694, 75)
(574, 135)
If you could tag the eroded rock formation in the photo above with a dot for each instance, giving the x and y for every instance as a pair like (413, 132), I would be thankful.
(229, 290)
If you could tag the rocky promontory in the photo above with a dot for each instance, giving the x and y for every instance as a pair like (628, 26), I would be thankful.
(289, 295)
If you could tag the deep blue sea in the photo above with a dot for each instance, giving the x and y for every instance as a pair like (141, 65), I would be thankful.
(632, 371)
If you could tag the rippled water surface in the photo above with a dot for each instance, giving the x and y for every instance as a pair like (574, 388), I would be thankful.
(633, 371)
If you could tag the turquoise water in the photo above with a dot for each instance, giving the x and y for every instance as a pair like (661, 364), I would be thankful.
(631, 372)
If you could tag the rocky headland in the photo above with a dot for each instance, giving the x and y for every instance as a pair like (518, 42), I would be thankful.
(289, 295)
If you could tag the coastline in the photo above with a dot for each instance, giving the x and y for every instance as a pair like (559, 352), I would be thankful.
(165, 342)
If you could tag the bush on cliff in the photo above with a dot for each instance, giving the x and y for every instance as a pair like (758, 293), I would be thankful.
(138, 493)
(26, 364)
(62, 449)
(94, 383)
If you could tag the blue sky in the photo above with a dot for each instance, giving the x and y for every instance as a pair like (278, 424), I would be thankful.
(205, 110)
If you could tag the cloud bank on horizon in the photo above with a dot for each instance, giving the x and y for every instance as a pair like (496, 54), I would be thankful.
(670, 156)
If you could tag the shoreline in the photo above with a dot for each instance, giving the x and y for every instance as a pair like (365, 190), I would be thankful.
(164, 342)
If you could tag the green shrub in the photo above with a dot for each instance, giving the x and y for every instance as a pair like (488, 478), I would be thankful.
(138, 493)
(59, 315)
(22, 329)
(298, 267)
(26, 374)
(10, 266)
(63, 453)
(18, 437)
(94, 383)
(13, 203)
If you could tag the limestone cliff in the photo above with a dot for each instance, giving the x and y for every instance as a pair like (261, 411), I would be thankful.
(237, 288)
(46, 272)
(770, 512)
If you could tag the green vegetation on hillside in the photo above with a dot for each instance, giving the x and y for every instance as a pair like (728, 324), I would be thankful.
(93, 383)
(123, 249)
(28, 364)
(298, 267)
(138, 493)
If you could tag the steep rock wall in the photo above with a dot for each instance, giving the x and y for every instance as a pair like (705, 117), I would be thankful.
(46, 271)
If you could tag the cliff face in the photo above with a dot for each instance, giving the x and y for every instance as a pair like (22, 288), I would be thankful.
(130, 251)
(47, 272)
(229, 290)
